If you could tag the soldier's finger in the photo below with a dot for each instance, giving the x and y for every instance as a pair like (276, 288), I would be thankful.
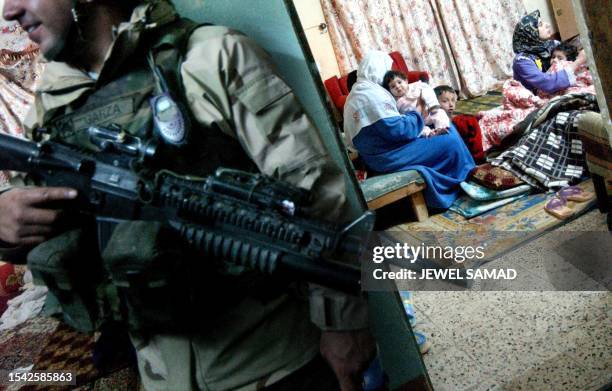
(32, 240)
(41, 195)
(37, 216)
(34, 230)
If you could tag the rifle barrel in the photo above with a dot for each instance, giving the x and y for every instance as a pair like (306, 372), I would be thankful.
(16, 152)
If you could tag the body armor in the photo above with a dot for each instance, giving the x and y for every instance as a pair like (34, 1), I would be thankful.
(171, 281)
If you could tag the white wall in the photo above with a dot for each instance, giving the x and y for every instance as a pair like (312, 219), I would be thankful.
(546, 12)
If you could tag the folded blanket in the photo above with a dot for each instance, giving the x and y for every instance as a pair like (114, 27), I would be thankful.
(468, 207)
(481, 193)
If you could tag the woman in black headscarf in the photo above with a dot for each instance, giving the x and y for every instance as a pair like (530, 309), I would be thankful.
(533, 46)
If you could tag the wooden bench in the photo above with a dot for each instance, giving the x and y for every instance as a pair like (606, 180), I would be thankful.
(382, 190)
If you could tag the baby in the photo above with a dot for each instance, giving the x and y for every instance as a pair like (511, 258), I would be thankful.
(419, 97)
(564, 52)
(562, 57)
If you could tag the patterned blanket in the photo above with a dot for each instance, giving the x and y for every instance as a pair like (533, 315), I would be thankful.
(498, 123)
(550, 153)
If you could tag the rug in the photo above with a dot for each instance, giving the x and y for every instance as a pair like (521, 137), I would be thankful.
(72, 351)
(473, 106)
(52, 346)
(20, 346)
(501, 230)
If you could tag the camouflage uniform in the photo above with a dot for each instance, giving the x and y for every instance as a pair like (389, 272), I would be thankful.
(234, 95)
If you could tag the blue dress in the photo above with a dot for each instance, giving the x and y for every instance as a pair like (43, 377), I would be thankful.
(392, 145)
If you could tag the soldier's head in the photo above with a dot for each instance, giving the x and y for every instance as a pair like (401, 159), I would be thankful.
(57, 25)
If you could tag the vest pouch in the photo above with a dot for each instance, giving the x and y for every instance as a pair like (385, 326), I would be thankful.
(146, 264)
(73, 275)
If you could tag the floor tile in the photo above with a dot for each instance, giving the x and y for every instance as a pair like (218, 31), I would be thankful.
(542, 261)
(450, 368)
(567, 310)
(504, 352)
(487, 385)
(600, 383)
(521, 340)
(591, 221)
(590, 344)
(561, 373)
(434, 301)
(465, 318)
(525, 306)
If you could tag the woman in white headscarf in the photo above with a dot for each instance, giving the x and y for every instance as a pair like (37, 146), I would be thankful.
(388, 141)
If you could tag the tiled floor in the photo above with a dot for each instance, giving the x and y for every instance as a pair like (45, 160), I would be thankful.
(512, 340)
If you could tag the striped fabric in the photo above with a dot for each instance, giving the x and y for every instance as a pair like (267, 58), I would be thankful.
(548, 156)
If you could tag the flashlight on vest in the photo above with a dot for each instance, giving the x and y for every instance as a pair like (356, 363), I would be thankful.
(114, 139)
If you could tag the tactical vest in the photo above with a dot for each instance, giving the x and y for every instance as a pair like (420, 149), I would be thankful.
(125, 101)
(173, 284)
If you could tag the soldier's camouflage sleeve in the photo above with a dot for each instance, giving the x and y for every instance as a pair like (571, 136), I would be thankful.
(230, 81)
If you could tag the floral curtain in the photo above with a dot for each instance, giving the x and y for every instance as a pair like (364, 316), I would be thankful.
(480, 36)
(465, 44)
(408, 26)
(19, 72)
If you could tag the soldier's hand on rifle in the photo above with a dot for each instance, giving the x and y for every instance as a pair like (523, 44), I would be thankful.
(28, 215)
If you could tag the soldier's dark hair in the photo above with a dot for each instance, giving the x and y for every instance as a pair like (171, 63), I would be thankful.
(570, 51)
(439, 90)
(390, 75)
(125, 5)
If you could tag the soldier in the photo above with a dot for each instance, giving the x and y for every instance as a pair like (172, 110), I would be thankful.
(103, 55)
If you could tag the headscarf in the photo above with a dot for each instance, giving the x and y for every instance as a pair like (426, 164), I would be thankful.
(368, 101)
(526, 39)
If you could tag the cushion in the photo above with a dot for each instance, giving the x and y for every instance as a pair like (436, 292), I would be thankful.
(383, 184)
(495, 178)
(481, 193)
(335, 92)
(469, 130)
(468, 207)
(10, 280)
(596, 143)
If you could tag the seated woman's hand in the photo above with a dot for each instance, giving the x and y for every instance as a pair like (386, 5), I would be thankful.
(439, 131)
(439, 118)
(428, 132)
(580, 59)
(579, 62)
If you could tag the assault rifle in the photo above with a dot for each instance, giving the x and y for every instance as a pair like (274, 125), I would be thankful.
(246, 219)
